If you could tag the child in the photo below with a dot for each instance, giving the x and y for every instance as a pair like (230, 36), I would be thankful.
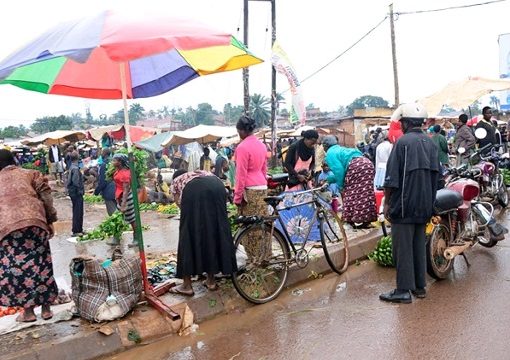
(333, 188)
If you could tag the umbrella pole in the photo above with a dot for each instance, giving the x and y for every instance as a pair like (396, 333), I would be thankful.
(150, 294)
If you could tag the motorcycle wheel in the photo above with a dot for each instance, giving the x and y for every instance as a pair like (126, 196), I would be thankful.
(486, 239)
(438, 266)
(502, 195)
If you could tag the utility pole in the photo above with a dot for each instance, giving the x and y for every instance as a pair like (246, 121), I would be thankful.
(273, 74)
(273, 86)
(394, 54)
(246, 74)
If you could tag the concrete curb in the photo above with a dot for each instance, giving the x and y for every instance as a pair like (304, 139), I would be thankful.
(85, 342)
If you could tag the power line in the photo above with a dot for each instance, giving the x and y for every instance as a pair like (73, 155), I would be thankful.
(449, 8)
(343, 52)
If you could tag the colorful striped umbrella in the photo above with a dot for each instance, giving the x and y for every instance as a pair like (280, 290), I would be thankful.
(116, 56)
(81, 58)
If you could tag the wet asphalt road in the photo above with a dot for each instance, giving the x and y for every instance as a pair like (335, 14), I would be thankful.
(340, 317)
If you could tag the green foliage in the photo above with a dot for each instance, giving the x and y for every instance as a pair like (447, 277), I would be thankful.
(140, 158)
(136, 112)
(260, 110)
(275, 170)
(52, 123)
(113, 226)
(13, 132)
(232, 113)
(366, 101)
(232, 215)
(382, 253)
(506, 176)
(93, 199)
(205, 114)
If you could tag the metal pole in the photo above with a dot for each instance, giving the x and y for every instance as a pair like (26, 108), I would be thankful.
(394, 55)
(246, 73)
(273, 86)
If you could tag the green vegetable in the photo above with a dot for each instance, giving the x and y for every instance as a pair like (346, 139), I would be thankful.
(148, 207)
(140, 159)
(275, 170)
(506, 176)
(232, 215)
(382, 253)
(93, 199)
(113, 226)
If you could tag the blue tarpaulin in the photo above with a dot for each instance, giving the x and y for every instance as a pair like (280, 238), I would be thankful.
(153, 144)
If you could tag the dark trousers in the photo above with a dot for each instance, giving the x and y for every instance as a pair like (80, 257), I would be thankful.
(77, 201)
(409, 255)
(111, 206)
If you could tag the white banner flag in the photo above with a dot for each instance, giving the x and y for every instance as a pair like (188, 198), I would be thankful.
(282, 64)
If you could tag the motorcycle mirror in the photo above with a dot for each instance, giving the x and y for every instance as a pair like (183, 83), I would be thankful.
(480, 133)
(461, 150)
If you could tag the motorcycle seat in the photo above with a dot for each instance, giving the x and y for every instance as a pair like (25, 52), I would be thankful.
(447, 200)
(278, 178)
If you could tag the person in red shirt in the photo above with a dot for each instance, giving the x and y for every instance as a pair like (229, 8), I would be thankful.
(123, 194)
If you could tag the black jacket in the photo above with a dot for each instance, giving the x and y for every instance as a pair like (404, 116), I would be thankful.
(491, 134)
(75, 185)
(413, 174)
(104, 187)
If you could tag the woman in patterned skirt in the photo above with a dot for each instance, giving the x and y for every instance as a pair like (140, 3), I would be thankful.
(27, 213)
(354, 175)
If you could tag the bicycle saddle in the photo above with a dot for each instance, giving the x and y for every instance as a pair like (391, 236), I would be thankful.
(274, 200)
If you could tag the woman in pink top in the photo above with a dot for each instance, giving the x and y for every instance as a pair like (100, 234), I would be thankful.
(251, 170)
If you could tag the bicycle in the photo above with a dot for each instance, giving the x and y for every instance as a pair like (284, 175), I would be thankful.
(263, 264)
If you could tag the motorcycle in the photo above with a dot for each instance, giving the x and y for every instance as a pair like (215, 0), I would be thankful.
(460, 221)
(487, 160)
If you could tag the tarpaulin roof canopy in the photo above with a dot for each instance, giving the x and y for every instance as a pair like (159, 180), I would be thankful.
(461, 94)
(118, 132)
(55, 137)
(201, 133)
(153, 144)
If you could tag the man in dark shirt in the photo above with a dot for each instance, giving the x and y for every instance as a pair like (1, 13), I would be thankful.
(412, 177)
(76, 190)
(486, 124)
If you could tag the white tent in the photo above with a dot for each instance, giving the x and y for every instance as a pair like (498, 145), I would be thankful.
(202, 134)
(55, 137)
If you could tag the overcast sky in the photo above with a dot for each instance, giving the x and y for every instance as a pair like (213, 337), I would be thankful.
(433, 49)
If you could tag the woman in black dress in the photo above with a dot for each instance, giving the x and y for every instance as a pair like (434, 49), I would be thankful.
(205, 239)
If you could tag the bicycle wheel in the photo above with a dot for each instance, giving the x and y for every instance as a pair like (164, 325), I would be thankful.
(261, 269)
(334, 241)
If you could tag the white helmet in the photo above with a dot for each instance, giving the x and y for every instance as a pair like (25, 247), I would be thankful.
(410, 110)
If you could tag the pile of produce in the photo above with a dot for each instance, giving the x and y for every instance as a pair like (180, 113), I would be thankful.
(232, 215)
(171, 209)
(93, 199)
(112, 226)
(4, 311)
(382, 253)
(506, 176)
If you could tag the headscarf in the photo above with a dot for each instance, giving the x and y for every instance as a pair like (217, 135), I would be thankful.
(329, 140)
(123, 159)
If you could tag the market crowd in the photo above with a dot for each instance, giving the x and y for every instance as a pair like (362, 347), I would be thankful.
(416, 160)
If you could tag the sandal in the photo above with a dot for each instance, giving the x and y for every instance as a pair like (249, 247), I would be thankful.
(21, 318)
(176, 291)
(210, 287)
(47, 315)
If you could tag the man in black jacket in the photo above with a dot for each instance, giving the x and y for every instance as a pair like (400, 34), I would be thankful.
(412, 177)
(486, 124)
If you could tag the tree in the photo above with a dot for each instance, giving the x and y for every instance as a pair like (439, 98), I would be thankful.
(189, 117)
(495, 102)
(136, 112)
(259, 109)
(232, 113)
(13, 132)
(205, 114)
(366, 101)
(310, 106)
(52, 123)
